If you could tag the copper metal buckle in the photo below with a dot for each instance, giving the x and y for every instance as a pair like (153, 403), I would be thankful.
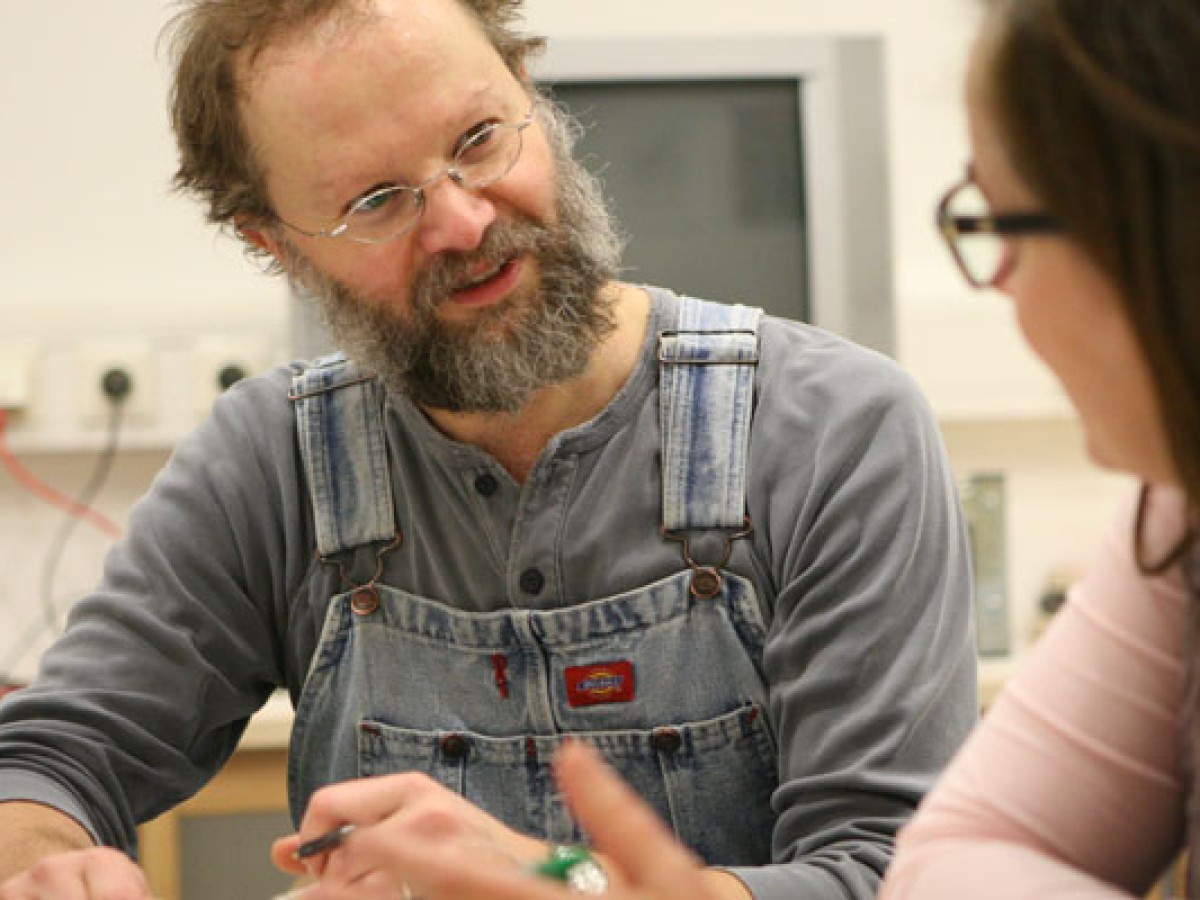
(707, 579)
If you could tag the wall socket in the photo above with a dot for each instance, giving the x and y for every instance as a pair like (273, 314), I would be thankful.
(97, 358)
(219, 359)
(18, 359)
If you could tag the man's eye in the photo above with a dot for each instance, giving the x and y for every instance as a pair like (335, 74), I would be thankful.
(476, 139)
(374, 201)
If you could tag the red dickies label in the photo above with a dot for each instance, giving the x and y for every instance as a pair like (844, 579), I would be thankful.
(610, 682)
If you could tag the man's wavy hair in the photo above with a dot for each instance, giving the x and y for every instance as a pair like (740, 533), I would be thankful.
(214, 42)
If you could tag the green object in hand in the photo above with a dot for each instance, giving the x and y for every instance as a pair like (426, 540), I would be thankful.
(574, 866)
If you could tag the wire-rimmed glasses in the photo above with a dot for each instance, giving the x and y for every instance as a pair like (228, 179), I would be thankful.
(975, 235)
(485, 155)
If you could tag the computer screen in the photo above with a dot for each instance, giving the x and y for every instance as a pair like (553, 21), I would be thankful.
(748, 169)
(705, 179)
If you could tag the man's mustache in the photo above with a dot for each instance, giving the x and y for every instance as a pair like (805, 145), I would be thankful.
(452, 269)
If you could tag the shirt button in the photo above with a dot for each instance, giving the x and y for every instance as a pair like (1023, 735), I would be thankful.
(666, 740)
(532, 581)
(454, 746)
(486, 484)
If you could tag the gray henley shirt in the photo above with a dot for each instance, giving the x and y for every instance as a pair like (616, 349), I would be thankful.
(858, 555)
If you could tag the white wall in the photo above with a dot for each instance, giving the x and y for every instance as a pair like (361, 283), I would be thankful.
(86, 155)
(87, 222)
(89, 234)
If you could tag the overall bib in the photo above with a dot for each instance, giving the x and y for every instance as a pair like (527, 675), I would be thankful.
(665, 681)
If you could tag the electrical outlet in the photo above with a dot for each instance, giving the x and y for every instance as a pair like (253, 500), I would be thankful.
(18, 358)
(221, 361)
(95, 360)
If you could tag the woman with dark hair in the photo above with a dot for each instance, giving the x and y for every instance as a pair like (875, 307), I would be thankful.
(1085, 131)
(1081, 202)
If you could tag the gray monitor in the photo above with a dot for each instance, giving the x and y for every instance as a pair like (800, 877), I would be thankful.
(749, 169)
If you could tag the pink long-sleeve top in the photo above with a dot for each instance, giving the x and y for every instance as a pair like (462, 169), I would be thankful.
(1071, 785)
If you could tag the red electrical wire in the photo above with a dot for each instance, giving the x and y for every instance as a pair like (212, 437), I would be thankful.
(49, 494)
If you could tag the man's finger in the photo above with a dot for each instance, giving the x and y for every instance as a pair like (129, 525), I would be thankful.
(283, 855)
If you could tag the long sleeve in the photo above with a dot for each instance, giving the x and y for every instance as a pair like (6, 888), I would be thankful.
(149, 689)
(870, 657)
(1071, 785)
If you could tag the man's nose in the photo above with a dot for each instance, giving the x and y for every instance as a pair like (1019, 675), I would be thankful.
(455, 217)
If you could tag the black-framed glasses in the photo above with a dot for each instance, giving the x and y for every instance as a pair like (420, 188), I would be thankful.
(484, 156)
(976, 236)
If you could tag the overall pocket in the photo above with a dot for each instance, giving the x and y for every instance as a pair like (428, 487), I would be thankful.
(711, 781)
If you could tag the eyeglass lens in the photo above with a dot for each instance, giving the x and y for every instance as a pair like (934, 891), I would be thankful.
(980, 253)
(485, 157)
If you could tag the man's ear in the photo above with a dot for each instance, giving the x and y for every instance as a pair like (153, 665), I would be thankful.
(254, 231)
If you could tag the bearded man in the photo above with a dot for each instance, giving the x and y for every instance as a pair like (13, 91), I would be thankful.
(526, 503)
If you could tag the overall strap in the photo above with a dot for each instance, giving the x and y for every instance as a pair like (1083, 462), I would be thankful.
(706, 367)
(340, 423)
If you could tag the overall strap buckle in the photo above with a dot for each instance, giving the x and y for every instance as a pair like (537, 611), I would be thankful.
(364, 598)
(706, 578)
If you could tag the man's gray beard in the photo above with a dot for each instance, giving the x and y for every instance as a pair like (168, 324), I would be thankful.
(507, 352)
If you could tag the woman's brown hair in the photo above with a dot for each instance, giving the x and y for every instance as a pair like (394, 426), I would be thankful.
(1099, 102)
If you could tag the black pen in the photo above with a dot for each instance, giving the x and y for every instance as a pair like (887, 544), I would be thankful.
(326, 842)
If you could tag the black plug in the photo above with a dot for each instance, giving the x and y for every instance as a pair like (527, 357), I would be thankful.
(117, 384)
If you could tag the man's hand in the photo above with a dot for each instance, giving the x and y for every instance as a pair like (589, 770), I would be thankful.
(46, 855)
(410, 831)
(408, 809)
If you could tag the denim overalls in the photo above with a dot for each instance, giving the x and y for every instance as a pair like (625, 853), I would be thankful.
(665, 681)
